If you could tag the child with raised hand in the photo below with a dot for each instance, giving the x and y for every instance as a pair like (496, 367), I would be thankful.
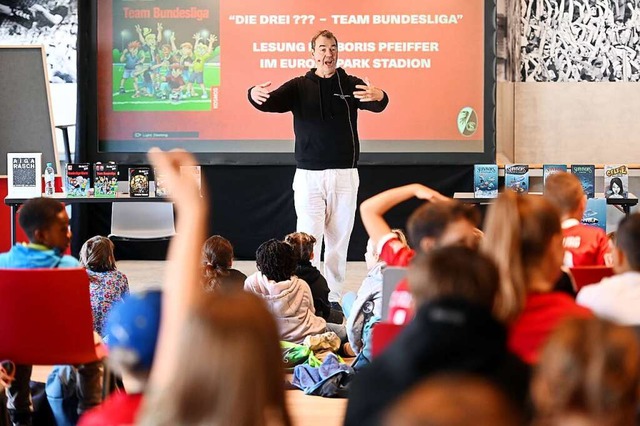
(46, 223)
(218, 358)
(302, 244)
(107, 285)
(217, 259)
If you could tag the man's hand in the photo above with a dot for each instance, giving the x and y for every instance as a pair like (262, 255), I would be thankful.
(259, 93)
(368, 93)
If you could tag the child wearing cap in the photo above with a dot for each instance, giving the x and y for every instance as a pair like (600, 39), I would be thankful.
(131, 334)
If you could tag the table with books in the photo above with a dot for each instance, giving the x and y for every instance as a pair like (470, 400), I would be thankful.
(624, 204)
(15, 203)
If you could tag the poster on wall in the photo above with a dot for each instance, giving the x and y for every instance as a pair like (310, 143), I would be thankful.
(50, 23)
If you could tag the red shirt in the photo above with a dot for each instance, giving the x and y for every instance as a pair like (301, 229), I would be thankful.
(584, 245)
(394, 253)
(119, 409)
(542, 313)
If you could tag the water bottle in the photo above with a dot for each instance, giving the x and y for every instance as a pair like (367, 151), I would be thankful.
(49, 178)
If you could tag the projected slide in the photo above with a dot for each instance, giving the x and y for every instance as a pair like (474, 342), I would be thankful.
(178, 72)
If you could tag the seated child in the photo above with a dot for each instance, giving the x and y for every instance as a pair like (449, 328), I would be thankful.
(107, 285)
(454, 330)
(523, 236)
(302, 244)
(131, 335)
(46, 223)
(289, 298)
(617, 298)
(364, 309)
(217, 259)
(584, 245)
(588, 374)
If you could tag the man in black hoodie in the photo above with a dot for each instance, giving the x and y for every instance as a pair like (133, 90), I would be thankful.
(325, 104)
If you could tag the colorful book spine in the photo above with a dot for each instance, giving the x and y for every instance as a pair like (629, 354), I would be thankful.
(595, 214)
(77, 181)
(516, 178)
(550, 169)
(616, 181)
(587, 175)
(105, 180)
(485, 181)
(139, 181)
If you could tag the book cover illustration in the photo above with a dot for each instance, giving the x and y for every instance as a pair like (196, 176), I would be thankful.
(139, 182)
(105, 180)
(24, 172)
(77, 180)
(550, 169)
(516, 178)
(161, 189)
(595, 213)
(616, 181)
(587, 175)
(485, 180)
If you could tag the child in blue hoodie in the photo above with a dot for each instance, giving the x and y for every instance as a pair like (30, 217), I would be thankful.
(46, 223)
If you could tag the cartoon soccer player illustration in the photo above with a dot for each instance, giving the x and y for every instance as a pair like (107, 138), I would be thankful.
(174, 83)
(149, 41)
(184, 57)
(143, 82)
(131, 58)
(202, 54)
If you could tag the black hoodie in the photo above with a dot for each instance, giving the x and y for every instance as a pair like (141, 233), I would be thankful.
(326, 130)
(448, 335)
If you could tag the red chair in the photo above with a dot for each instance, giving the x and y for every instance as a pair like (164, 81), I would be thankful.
(45, 317)
(382, 335)
(585, 275)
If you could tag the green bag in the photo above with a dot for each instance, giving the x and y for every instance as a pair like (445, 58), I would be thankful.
(294, 354)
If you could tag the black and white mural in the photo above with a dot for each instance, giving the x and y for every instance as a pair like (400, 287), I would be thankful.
(51, 23)
(579, 40)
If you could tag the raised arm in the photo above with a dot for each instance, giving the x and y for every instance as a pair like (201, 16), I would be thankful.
(372, 210)
(280, 100)
(181, 284)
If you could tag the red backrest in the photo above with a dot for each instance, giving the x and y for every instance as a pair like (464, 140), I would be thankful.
(382, 335)
(45, 316)
(585, 275)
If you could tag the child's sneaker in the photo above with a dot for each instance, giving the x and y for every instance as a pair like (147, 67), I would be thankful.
(204, 95)
(122, 92)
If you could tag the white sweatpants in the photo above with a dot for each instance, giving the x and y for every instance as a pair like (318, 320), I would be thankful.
(325, 202)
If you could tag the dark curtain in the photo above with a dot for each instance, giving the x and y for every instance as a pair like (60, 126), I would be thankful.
(86, 100)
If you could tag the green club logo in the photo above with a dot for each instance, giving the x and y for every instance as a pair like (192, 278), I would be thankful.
(467, 121)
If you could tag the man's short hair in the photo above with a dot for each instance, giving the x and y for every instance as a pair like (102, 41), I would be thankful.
(628, 239)
(565, 192)
(38, 213)
(454, 271)
(431, 219)
(322, 33)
